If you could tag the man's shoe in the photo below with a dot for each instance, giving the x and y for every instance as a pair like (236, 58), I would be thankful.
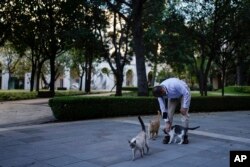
(186, 141)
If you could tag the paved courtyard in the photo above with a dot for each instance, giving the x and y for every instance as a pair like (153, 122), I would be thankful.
(30, 138)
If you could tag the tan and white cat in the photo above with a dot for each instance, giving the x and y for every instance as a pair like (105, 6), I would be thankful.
(178, 132)
(154, 126)
(139, 142)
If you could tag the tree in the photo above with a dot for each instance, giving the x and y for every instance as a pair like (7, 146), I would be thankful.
(5, 28)
(132, 12)
(77, 65)
(118, 37)
(192, 38)
(52, 24)
(240, 39)
(153, 26)
(10, 60)
(177, 42)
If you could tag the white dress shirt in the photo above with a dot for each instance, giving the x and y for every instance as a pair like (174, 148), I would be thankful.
(176, 88)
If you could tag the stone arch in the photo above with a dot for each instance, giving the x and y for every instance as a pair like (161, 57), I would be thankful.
(150, 78)
(129, 77)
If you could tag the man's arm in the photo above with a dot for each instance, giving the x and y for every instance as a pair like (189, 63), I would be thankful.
(164, 111)
(163, 108)
(185, 92)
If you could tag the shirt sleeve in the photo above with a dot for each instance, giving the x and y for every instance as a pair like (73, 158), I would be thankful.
(164, 110)
(162, 105)
(184, 90)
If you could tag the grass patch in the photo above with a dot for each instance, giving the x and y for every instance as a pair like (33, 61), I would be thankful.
(9, 95)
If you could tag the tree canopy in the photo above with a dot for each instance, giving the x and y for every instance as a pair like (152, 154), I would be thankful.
(196, 38)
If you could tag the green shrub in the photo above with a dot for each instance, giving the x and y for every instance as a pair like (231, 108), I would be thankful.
(134, 89)
(22, 95)
(219, 103)
(69, 93)
(45, 94)
(76, 108)
(241, 89)
(16, 95)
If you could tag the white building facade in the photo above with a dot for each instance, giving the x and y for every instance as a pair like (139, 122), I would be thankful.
(100, 80)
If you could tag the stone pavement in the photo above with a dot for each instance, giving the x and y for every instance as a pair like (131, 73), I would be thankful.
(104, 142)
(25, 112)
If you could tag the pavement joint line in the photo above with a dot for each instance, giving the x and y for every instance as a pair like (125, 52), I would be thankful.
(34, 126)
(196, 132)
(202, 133)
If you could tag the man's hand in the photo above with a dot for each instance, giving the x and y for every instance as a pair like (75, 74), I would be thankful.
(167, 127)
(183, 111)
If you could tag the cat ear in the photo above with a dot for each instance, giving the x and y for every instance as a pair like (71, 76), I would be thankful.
(129, 141)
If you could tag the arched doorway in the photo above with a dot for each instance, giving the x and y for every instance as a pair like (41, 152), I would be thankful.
(150, 78)
(129, 78)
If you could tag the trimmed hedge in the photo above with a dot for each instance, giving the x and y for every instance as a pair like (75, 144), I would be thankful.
(78, 108)
(134, 89)
(240, 89)
(45, 94)
(219, 103)
(18, 95)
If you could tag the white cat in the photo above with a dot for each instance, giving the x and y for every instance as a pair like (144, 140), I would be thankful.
(178, 132)
(139, 142)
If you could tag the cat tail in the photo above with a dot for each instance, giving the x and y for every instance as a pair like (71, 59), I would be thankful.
(159, 115)
(142, 124)
(193, 128)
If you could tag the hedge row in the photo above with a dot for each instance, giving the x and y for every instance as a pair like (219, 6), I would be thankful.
(134, 89)
(18, 95)
(77, 108)
(219, 103)
(23, 95)
(240, 89)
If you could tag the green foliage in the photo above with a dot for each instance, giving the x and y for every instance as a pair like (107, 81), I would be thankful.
(164, 74)
(45, 94)
(23, 95)
(219, 103)
(106, 71)
(16, 95)
(134, 89)
(69, 93)
(77, 108)
(237, 89)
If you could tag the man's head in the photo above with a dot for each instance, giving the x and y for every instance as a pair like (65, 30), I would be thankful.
(159, 91)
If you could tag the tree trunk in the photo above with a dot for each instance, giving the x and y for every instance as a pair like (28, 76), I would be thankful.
(119, 81)
(223, 81)
(88, 66)
(52, 75)
(201, 81)
(81, 77)
(9, 80)
(239, 71)
(154, 69)
(139, 47)
(32, 77)
(38, 78)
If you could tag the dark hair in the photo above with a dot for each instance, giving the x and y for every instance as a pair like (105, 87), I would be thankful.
(157, 91)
